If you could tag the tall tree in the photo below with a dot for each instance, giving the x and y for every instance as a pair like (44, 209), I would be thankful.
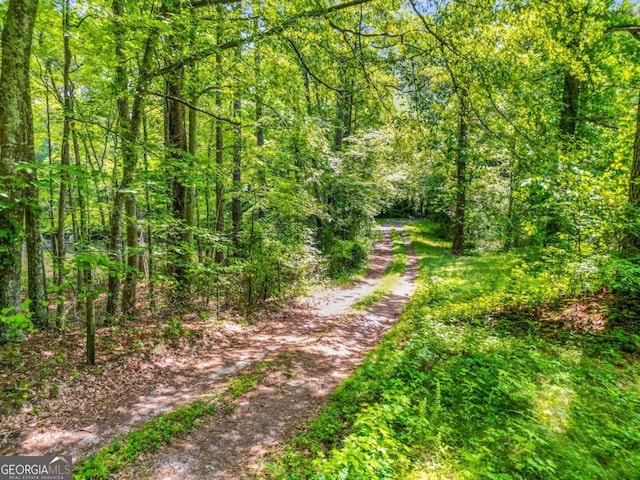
(236, 199)
(130, 101)
(219, 140)
(16, 146)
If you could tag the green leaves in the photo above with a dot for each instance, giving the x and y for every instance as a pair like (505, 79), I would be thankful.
(472, 383)
(16, 321)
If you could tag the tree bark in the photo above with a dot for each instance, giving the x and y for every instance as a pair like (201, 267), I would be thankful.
(190, 206)
(220, 203)
(129, 127)
(65, 155)
(570, 101)
(16, 146)
(176, 158)
(236, 200)
(36, 280)
(631, 244)
(114, 241)
(90, 318)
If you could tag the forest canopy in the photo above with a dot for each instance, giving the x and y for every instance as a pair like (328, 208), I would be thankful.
(158, 154)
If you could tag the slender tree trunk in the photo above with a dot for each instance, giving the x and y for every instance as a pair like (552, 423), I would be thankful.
(209, 221)
(36, 280)
(631, 244)
(130, 123)
(65, 155)
(511, 219)
(82, 240)
(190, 206)
(133, 260)
(457, 247)
(307, 91)
(16, 145)
(344, 110)
(90, 318)
(339, 132)
(147, 194)
(236, 200)
(114, 241)
(259, 100)
(52, 222)
(220, 204)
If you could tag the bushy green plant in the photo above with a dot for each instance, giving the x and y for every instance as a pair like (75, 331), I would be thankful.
(345, 255)
(14, 324)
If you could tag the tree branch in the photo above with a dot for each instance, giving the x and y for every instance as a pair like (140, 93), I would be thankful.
(319, 12)
(211, 3)
(193, 107)
(309, 71)
(632, 29)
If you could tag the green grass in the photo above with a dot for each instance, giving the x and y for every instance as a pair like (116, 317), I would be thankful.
(390, 276)
(163, 430)
(471, 385)
(156, 433)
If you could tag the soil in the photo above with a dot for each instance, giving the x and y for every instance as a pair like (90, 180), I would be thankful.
(321, 341)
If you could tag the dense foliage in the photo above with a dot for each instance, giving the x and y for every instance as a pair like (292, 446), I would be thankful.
(481, 378)
(160, 157)
(224, 152)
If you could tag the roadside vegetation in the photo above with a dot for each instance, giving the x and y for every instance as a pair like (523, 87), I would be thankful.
(492, 372)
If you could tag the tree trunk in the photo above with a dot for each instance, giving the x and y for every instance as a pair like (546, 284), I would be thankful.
(176, 158)
(90, 317)
(569, 111)
(130, 124)
(220, 204)
(259, 100)
(36, 280)
(133, 260)
(114, 241)
(147, 193)
(16, 146)
(339, 132)
(82, 239)
(236, 200)
(457, 247)
(631, 244)
(190, 206)
(65, 155)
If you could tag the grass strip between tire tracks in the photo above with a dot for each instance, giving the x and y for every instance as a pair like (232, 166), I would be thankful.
(126, 451)
(390, 276)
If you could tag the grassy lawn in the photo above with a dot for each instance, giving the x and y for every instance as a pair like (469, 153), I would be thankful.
(475, 381)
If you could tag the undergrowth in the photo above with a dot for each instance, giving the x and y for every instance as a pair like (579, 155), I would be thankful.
(472, 384)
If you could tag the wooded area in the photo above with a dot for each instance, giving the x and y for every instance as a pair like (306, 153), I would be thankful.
(160, 157)
(156, 154)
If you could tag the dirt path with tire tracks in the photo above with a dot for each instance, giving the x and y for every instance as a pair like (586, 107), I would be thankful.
(320, 341)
